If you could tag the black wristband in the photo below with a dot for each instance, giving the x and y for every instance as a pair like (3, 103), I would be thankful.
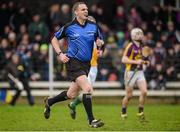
(59, 53)
(99, 47)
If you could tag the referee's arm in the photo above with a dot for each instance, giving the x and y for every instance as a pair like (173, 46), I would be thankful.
(54, 41)
(61, 56)
(55, 44)
(99, 40)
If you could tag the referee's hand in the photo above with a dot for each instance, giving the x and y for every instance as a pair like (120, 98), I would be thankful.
(62, 57)
(99, 42)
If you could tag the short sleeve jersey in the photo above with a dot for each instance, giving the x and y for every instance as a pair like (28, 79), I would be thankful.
(133, 52)
(80, 39)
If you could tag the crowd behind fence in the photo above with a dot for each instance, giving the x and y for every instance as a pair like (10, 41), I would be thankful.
(27, 33)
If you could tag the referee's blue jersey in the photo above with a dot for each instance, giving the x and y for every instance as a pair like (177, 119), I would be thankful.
(80, 39)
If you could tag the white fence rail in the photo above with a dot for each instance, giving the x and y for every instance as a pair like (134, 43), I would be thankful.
(64, 84)
(101, 89)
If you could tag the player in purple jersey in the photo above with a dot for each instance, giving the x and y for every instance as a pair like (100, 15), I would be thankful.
(133, 60)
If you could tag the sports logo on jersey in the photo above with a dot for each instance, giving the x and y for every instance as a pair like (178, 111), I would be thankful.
(90, 32)
(76, 35)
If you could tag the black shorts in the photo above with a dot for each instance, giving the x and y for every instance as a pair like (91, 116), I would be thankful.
(76, 68)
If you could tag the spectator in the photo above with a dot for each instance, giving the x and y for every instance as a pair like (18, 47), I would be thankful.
(6, 31)
(144, 27)
(65, 14)
(93, 10)
(177, 58)
(4, 16)
(120, 19)
(160, 52)
(120, 39)
(157, 32)
(19, 18)
(6, 51)
(104, 66)
(100, 15)
(171, 31)
(130, 26)
(171, 73)
(53, 16)
(155, 16)
(166, 43)
(134, 17)
(158, 78)
(12, 38)
(3, 56)
(148, 39)
(38, 38)
(22, 31)
(18, 70)
(44, 64)
(169, 14)
(38, 26)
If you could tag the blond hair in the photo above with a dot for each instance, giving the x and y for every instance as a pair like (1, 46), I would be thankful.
(75, 6)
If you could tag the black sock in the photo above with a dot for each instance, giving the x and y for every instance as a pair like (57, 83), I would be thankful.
(88, 106)
(61, 97)
(123, 110)
(141, 109)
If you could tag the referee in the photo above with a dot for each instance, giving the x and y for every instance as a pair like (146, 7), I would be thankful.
(81, 35)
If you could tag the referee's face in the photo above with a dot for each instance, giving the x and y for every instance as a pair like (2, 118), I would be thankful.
(82, 12)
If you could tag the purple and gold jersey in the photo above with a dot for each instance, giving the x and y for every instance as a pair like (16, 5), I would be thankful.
(133, 52)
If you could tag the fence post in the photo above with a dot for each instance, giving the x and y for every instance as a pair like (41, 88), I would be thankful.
(51, 62)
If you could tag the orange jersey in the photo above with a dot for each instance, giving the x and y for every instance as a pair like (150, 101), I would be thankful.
(94, 57)
(133, 52)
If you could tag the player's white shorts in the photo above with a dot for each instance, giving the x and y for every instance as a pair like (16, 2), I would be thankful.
(131, 81)
(92, 74)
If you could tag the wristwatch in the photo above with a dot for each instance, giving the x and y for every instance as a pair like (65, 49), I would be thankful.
(59, 53)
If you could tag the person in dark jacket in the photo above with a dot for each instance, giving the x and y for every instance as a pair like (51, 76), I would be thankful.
(18, 79)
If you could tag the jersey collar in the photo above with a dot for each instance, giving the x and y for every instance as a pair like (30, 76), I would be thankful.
(75, 21)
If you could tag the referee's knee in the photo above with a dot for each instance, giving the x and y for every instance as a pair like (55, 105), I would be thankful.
(87, 90)
(71, 95)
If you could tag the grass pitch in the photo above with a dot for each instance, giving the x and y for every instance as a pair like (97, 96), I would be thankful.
(26, 118)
